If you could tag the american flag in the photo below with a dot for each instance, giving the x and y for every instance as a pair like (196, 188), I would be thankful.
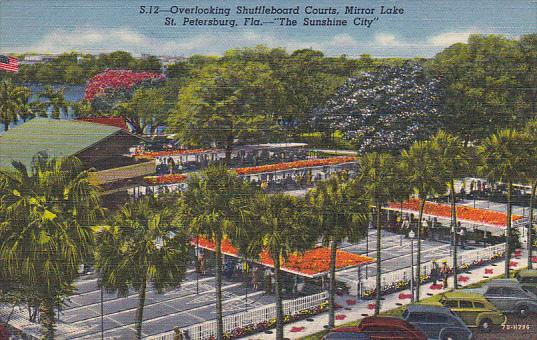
(9, 64)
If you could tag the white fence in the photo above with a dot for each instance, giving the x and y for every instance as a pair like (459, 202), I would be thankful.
(522, 225)
(405, 274)
(207, 329)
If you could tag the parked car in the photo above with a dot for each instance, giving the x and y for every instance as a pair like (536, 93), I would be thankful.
(509, 296)
(528, 280)
(438, 323)
(4, 334)
(344, 333)
(379, 328)
(474, 309)
(390, 328)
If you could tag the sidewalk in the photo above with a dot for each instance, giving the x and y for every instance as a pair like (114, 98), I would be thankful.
(353, 310)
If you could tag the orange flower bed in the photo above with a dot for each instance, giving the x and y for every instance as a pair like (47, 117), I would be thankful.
(463, 212)
(295, 164)
(176, 178)
(165, 179)
(227, 247)
(171, 153)
(312, 262)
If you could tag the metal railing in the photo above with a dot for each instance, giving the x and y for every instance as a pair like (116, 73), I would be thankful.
(207, 329)
(404, 274)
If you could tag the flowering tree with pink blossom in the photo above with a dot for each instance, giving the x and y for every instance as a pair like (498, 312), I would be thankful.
(116, 80)
(130, 95)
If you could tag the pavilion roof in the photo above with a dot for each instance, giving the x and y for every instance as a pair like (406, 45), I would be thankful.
(312, 263)
(473, 215)
(54, 136)
(307, 163)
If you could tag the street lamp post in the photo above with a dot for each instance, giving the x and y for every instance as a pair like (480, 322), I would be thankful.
(453, 238)
(197, 264)
(367, 249)
(411, 235)
(102, 314)
(359, 287)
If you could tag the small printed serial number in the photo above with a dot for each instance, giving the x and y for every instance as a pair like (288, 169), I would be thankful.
(516, 327)
(149, 9)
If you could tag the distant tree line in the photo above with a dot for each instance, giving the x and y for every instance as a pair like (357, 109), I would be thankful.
(471, 89)
(77, 68)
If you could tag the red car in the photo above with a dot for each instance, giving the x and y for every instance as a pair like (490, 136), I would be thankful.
(4, 334)
(384, 328)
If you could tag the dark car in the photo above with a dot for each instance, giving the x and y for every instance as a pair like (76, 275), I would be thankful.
(379, 328)
(345, 333)
(509, 296)
(437, 322)
(390, 328)
(528, 280)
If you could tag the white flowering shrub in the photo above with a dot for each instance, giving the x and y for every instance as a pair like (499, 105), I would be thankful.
(384, 111)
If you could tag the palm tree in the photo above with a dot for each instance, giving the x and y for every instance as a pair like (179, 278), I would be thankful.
(422, 171)
(25, 109)
(212, 209)
(337, 215)
(142, 248)
(82, 108)
(379, 176)
(44, 236)
(245, 239)
(504, 156)
(11, 98)
(39, 109)
(56, 100)
(282, 219)
(455, 162)
(26, 112)
(531, 175)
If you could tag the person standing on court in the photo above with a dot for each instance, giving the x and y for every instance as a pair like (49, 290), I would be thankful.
(462, 235)
(268, 281)
(255, 278)
(445, 273)
(202, 265)
(435, 272)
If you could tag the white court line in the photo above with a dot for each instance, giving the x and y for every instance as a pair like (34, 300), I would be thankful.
(82, 282)
(155, 303)
(238, 297)
(98, 326)
(150, 290)
(398, 258)
(135, 295)
(372, 242)
(494, 204)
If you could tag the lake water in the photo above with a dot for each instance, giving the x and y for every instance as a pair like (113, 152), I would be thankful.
(72, 93)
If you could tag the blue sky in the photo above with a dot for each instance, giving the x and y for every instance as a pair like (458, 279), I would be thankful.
(97, 26)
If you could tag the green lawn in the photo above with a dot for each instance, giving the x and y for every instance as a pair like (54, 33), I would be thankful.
(397, 312)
